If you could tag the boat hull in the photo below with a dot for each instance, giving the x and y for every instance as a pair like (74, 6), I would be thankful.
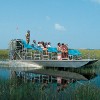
(61, 63)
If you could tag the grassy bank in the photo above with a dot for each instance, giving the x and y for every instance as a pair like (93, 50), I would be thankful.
(4, 54)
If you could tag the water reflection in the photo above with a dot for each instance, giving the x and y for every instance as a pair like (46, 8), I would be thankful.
(46, 81)
(46, 78)
(89, 76)
(96, 81)
(4, 73)
(61, 79)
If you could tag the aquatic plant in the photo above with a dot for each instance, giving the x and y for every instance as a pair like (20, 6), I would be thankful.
(13, 89)
(87, 92)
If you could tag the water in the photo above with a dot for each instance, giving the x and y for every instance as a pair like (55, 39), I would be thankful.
(4, 73)
(6, 69)
(96, 81)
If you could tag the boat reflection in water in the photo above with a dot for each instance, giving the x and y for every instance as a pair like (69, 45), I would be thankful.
(62, 79)
(28, 73)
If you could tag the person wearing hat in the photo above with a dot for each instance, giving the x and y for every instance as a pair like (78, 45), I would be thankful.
(28, 37)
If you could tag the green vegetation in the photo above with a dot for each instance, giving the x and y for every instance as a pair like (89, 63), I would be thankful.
(92, 53)
(87, 92)
(4, 54)
(15, 89)
(85, 53)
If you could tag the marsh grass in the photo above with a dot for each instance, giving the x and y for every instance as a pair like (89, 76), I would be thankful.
(92, 53)
(87, 92)
(4, 54)
(14, 90)
(4, 89)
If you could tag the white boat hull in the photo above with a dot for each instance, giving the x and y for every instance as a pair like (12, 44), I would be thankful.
(61, 63)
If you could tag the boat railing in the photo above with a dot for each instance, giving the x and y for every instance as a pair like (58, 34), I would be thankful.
(36, 55)
(18, 51)
(45, 57)
(27, 54)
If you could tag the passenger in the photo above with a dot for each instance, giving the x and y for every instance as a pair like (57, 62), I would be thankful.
(42, 44)
(28, 37)
(64, 50)
(49, 44)
(34, 43)
(59, 57)
(44, 48)
(39, 44)
(59, 47)
(46, 44)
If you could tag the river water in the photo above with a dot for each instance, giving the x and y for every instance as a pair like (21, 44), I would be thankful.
(5, 72)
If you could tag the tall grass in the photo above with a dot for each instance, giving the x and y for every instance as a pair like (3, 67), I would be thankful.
(87, 92)
(13, 89)
(3, 54)
(85, 53)
(92, 53)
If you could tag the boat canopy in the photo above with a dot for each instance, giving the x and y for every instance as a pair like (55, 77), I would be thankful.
(33, 47)
(51, 49)
(26, 46)
(74, 52)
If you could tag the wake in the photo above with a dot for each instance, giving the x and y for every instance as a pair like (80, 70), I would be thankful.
(19, 66)
(4, 62)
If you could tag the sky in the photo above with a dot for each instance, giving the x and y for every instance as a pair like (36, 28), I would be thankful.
(73, 22)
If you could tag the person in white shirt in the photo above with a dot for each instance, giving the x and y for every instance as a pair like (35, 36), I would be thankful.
(49, 44)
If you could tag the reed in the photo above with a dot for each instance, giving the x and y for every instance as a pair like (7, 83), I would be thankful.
(4, 54)
(87, 92)
(13, 89)
(92, 53)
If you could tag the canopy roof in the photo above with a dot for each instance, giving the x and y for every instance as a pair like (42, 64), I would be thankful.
(73, 52)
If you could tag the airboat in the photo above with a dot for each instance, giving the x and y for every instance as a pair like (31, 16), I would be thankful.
(20, 51)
